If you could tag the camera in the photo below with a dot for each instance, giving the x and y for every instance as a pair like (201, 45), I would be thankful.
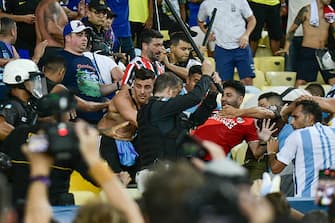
(57, 139)
(192, 147)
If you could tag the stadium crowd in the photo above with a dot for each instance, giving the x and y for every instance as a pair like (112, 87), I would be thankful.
(128, 94)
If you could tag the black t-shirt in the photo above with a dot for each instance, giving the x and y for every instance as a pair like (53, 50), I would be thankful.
(26, 35)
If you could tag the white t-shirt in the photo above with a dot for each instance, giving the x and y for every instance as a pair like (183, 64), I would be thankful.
(313, 149)
(105, 65)
(230, 20)
(293, 9)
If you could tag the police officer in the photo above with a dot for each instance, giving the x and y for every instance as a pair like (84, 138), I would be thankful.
(26, 83)
(161, 122)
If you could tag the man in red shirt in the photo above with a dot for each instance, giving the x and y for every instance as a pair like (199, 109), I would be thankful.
(229, 132)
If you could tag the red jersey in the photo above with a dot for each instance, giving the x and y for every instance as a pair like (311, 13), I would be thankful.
(227, 132)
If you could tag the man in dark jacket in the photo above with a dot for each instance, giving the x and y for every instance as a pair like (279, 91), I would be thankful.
(161, 122)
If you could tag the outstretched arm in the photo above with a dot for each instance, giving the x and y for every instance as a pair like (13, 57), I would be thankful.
(253, 112)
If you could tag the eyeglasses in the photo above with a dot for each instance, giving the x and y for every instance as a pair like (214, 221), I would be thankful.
(104, 13)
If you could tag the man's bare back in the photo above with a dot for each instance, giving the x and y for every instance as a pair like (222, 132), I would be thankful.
(50, 22)
(114, 124)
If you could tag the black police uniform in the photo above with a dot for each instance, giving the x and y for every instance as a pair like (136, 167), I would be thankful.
(17, 112)
(161, 122)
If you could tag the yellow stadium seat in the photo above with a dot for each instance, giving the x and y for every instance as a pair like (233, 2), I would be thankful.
(165, 34)
(238, 152)
(280, 78)
(319, 78)
(82, 189)
(271, 63)
(212, 60)
(259, 81)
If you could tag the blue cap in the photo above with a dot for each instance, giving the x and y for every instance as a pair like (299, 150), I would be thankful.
(74, 26)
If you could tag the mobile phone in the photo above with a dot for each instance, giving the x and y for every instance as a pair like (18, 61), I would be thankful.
(326, 187)
(191, 146)
(38, 143)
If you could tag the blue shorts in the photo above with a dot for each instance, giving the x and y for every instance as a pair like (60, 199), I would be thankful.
(227, 60)
(308, 66)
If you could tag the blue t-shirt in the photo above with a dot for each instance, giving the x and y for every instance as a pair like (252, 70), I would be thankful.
(82, 78)
(121, 25)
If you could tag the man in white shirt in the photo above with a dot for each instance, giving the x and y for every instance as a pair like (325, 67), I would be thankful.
(231, 29)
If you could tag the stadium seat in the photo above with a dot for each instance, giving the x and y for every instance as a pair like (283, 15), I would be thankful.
(165, 34)
(280, 78)
(82, 190)
(259, 81)
(238, 152)
(272, 63)
(319, 79)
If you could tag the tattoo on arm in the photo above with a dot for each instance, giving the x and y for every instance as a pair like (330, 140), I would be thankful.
(301, 16)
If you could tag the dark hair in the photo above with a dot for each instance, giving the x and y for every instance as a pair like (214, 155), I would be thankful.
(148, 34)
(315, 89)
(311, 107)
(271, 96)
(54, 62)
(237, 85)
(6, 25)
(165, 80)
(144, 74)
(166, 191)
(195, 69)
(176, 37)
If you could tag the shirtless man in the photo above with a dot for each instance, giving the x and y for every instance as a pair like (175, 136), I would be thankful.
(50, 21)
(118, 126)
(315, 37)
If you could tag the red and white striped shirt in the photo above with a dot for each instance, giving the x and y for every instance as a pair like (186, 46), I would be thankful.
(138, 63)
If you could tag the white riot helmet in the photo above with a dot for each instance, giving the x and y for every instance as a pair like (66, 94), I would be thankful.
(24, 71)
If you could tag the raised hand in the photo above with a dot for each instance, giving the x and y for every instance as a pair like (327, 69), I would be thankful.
(267, 130)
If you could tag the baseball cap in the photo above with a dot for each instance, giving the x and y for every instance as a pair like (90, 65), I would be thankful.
(99, 5)
(74, 26)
